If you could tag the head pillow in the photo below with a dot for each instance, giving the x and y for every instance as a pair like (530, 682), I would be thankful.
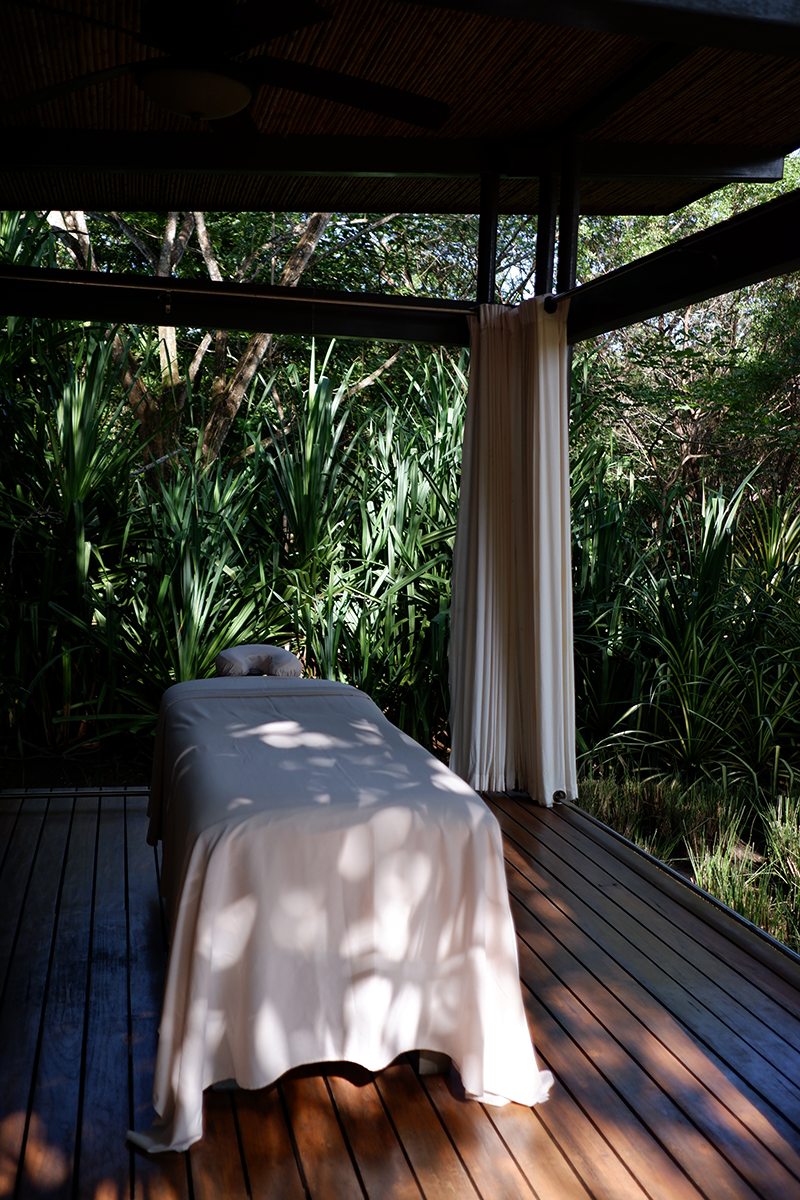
(258, 660)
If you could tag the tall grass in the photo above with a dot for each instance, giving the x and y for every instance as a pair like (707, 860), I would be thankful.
(746, 855)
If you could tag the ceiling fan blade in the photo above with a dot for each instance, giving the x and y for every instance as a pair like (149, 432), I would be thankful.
(31, 99)
(345, 89)
(227, 27)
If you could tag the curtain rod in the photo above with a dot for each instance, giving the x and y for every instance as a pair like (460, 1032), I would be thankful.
(553, 299)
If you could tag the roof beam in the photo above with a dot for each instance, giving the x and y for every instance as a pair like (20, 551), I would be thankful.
(755, 26)
(755, 245)
(628, 86)
(653, 160)
(420, 157)
(141, 300)
(487, 239)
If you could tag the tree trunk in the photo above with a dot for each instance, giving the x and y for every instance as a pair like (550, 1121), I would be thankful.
(228, 402)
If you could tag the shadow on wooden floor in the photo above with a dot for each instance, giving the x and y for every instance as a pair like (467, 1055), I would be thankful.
(673, 1032)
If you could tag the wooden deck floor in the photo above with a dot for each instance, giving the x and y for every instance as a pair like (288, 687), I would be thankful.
(673, 1033)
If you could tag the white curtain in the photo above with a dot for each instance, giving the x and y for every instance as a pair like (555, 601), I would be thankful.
(512, 713)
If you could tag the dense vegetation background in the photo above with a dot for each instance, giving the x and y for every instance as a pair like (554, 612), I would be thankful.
(164, 493)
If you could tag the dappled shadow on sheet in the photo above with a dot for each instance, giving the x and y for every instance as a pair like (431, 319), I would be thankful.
(335, 893)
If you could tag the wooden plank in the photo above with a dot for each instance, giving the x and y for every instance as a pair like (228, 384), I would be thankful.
(631, 946)
(15, 878)
(9, 811)
(435, 1163)
(494, 1171)
(738, 974)
(611, 1090)
(687, 965)
(217, 1169)
(162, 1176)
(56, 1096)
(384, 1168)
(595, 1161)
(103, 1161)
(669, 1100)
(677, 904)
(10, 801)
(566, 1126)
(724, 1107)
(268, 1152)
(766, 966)
(324, 1155)
(25, 990)
(550, 1172)
(745, 1066)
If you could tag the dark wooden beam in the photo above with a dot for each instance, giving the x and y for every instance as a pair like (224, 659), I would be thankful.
(569, 211)
(546, 233)
(661, 160)
(755, 245)
(420, 157)
(138, 300)
(757, 26)
(752, 246)
(487, 238)
(652, 67)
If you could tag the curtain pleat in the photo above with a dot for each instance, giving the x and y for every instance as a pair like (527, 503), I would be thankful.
(512, 714)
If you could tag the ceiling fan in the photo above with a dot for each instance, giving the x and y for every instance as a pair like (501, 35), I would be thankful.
(216, 86)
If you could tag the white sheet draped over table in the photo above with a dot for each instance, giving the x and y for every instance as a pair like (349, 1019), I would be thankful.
(512, 716)
(333, 892)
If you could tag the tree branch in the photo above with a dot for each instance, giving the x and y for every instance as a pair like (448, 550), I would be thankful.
(230, 398)
(355, 237)
(182, 239)
(70, 228)
(147, 252)
(194, 365)
(141, 400)
(368, 380)
(164, 264)
(300, 256)
(209, 257)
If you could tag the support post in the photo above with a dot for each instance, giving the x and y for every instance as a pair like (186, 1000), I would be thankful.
(487, 238)
(569, 213)
(546, 233)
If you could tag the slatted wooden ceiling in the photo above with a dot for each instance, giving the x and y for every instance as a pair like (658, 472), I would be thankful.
(502, 78)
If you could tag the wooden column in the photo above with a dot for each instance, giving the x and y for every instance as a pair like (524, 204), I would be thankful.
(546, 232)
(487, 238)
(569, 213)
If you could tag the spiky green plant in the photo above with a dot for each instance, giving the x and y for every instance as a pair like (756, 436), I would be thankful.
(63, 505)
(192, 584)
(703, 637)
(306, 461)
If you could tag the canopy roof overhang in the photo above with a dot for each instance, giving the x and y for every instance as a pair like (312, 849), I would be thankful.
(635, 106)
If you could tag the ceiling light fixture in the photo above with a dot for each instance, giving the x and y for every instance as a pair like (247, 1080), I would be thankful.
(207, 92)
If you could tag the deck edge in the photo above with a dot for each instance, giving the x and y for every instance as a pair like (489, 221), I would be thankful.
(768, 950)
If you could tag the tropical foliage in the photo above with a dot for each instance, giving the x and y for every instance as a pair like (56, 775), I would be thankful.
(331, 531)
(161, 495)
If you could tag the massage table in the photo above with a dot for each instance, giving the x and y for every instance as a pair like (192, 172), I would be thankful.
(333, 893)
